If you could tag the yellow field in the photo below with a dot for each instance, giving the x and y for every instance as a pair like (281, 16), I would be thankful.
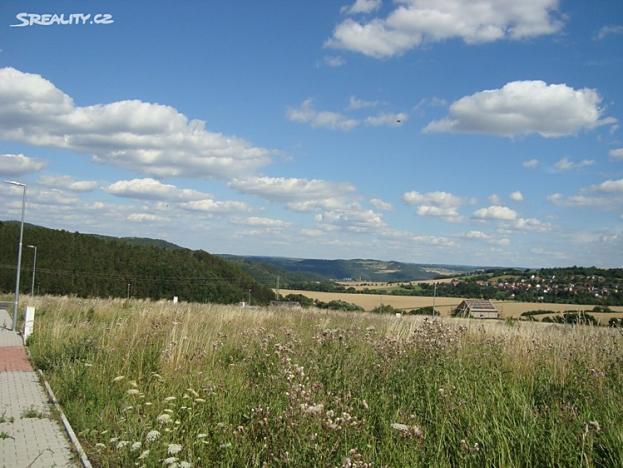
(361, 285)
(446, 304)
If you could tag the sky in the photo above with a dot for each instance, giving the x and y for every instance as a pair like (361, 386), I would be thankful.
(476, 132)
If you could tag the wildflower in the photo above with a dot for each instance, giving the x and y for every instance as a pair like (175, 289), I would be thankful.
(86, 364)
(409, 431)
(202, 436)
(121, 444)
(99, 445)
(365, 404)
(314, 409)
(185, 464)
(170, 411)
(113, 440)
(127, 408)
(135, 446)
(143, 454)
(225, 446)
(164, 418)
(152, 435)
(169, 398)
(593, 426)
(174, 449)
(133, 391)
(133, 383)
(169, 461)
(119, 378)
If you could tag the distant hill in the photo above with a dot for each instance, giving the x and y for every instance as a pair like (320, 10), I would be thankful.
(102, 266)
(356, 269)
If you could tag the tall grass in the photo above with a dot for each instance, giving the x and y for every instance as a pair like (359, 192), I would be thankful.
(224, 386)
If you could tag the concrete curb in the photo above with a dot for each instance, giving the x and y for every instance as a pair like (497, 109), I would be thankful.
(68, 429)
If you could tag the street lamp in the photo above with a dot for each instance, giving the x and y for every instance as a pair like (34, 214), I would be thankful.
(19, 251)
(34, 269)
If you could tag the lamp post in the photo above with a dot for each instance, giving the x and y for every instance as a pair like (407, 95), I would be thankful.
(19, 251)
(34, 269)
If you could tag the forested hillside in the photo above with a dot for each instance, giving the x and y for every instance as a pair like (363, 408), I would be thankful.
(91, 265)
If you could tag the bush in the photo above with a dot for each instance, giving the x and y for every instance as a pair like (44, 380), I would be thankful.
(385, 309)
(339, 305)
(424, 311)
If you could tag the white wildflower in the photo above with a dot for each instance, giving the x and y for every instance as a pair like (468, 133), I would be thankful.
(164, 418)
(185, 464)
(202, 436)
(122, 443)
(135, 446)
(113, 440)
(169, 461)
(143, 454)
(225, 446)
(152, 435)
(99, 445)
(174, 449)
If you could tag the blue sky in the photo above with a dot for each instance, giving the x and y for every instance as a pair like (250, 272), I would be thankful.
(459, 132)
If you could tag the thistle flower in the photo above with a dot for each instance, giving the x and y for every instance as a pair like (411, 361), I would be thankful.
(174, 449)
(152, 435)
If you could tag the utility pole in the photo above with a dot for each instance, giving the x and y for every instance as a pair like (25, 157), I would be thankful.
(128, 296)
(34, 269)
(277, 289)
(19, 251)
(434, 297)
(249, 297)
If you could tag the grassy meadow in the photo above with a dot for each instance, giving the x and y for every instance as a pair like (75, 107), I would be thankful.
(156, 384)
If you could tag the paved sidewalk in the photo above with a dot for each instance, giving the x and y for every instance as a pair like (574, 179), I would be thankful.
(29, 436)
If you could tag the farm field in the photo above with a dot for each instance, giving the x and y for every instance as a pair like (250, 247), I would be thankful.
(361, 285)
(445, 305)
(156, 384)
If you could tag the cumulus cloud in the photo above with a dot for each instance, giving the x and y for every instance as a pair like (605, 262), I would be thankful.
(152, 138)
(516, 196)
(271, 223)
(525, 107)
(477, 235)
(291, 189)
(387, 119)
(531, 224)
(307, 114)
(151, 189)
(18, 164)
(498, 212)
(438, 204)
(380, 204)
(616, 154)
(566, 164)
(583, 201)
(494, 199)
(415, 22)
(609, 30)
(214, 206)
(351, 220)
(68, 183)
(362, 6)
(609, 186)
(530, 164)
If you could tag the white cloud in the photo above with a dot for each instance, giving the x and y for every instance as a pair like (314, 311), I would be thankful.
(264, 222)
(68, 183)
(18, 164)
(291, 189)
(387, 119)
(415, 22)
(362, 6)
(305, 113)
(609, 186)
(333, 61)
(516, 196)
(214, 206)
(438, 204)
(144, 217)
(609, 30)
(503, 213)
(380, 204)
(525, 107)
(583, 201)
(477, 235)
(566, 164)
(354, 103)
(351, 220)
(531, 164)
(151, 189)
(616, 153)
(531, 224)
(152, 138)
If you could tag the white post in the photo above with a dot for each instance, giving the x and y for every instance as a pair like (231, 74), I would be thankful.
(29, 322)
(174, 299)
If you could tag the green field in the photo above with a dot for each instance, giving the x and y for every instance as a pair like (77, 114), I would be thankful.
(153, 384)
